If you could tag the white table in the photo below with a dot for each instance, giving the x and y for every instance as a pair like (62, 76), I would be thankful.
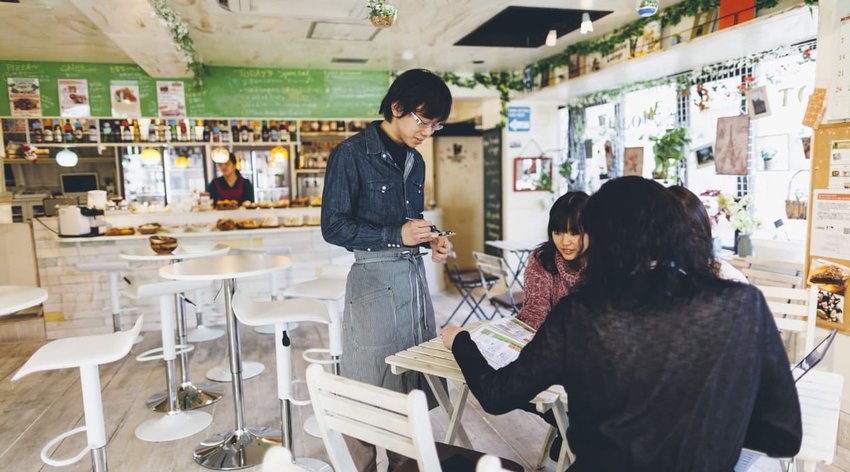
(14, 298)
(244, 446)
(189, 395)
(521, 249)
(436, 362)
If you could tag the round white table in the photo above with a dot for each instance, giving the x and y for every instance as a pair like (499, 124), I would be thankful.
(14, 298)
(244, 446)
(189, 395)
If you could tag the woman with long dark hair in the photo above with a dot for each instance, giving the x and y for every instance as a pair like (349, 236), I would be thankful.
(555, 267)
(667, 366)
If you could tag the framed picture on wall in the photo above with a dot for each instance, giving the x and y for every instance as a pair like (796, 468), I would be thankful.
(703, 23)
(757, 103)
(731, 145)
(532, 174)
(704, 155)
(633, 161)
(772, 152)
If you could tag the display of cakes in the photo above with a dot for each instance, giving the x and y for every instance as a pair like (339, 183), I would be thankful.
(313, 220)
(293, 220)
(270, 221)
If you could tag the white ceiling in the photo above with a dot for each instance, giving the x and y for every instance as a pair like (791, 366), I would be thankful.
(56, 30)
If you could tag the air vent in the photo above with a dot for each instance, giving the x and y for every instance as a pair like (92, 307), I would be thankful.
(349, 60)
(342, 31)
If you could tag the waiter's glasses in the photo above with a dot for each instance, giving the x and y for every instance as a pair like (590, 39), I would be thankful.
(434, 126)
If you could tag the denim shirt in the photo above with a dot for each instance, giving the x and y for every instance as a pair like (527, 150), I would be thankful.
(367, 198)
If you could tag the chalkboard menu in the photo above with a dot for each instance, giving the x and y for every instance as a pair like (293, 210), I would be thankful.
(231, 92)
(492, 188)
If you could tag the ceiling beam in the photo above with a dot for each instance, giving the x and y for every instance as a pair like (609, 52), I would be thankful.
(135, 29)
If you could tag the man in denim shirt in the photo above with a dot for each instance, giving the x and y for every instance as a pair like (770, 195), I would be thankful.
(372, 205)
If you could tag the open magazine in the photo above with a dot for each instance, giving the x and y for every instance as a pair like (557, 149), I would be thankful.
(501, 340)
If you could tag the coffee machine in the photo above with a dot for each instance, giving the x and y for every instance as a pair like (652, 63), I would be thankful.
(81, 221)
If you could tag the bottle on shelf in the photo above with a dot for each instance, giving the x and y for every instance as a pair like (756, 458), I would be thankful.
(144, 130)
(58, 134)
(234, 131)
(224, 131)
(69, 132)
(160, 131)
(152, 132)
(206, 135)
(183, 130)
(258, 132)
(37, 134)
(78, 131)
(91, 131)
(199, 131)
(264, 133)
(167, 132)
(216, 132)
(106, 132)
(244, 135)
(136, 132)
(126, 131)
(47, 131)
(274, 135)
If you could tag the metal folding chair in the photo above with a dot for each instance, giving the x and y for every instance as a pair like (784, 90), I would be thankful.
(498, 292)
(465, 281)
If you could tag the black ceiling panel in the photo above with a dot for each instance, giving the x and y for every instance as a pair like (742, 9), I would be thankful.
(526, 27)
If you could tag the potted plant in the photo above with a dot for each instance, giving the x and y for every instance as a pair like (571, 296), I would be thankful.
(381, 14)
(738, 213)
(669, 151)
(767, 156)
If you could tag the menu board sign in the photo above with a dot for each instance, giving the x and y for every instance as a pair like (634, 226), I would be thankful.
(74, 98)
(171, 99)
(24, 97)
(125, 99)
(492, 188)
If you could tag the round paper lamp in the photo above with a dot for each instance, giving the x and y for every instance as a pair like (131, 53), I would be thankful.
(67, 158)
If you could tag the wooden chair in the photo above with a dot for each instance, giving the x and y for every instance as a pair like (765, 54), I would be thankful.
(499, 293)
(794, 309)
(392, 420)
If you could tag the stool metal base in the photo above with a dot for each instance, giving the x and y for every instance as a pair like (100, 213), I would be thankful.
(311, 427)
(231, 450)
(222, 373)
(174, 426)
(189, 397)
(203, 334)
(313, 465)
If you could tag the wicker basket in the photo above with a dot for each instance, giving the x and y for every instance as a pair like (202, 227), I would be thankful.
(382, 21)
(795, 209)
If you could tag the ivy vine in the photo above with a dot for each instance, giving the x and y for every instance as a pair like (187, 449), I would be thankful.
(503, 82)
(180, 36)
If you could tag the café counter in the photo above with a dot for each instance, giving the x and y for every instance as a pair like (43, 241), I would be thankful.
(79, 302)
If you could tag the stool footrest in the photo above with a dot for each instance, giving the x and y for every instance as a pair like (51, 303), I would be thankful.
(151, 355)
(307, 355)
(63, 462)
(295, 401)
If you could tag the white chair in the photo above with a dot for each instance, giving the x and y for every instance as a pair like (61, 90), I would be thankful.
(498, 293)
(489, 463)
(388, 419)
(279, 459)
(794, 309)
(87, 353)
(280, 314)
(201, 332)
(113, 270)
(274, 285)
(761, 271)
(177, 423)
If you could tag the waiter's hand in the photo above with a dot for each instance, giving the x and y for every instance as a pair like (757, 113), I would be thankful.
(440, 249)
(416, 232)
(449, 334)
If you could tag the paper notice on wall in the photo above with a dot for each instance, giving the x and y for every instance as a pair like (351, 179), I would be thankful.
(839, 165)
(171, 99)
(125, 99)
(74, 98)
(831, 224)
(814, 109)
(838, 96)
(24, 97)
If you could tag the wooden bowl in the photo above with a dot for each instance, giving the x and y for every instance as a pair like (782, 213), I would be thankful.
(163, 245)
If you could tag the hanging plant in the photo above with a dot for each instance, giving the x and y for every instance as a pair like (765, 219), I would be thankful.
(180, 36)
(702, 98)
(380, 14)
(669, 151)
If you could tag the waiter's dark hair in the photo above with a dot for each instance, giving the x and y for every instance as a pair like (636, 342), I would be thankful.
(232, 158)
(419, 91)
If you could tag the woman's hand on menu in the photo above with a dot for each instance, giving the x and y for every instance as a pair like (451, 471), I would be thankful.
(440, 249)
(449, 334)
(416, 232)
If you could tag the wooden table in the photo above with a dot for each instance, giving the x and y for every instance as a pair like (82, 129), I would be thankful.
(436, 362)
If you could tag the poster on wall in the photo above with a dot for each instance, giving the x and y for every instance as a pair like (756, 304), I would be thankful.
(838, 95)
(633, 161)
(646, 43)
(125, 99)
(24, 97)
(731, 145)
(74, 98)
(532, 174)
(839, 165)
(831, 224)
(831, 281)
(757, 103)
(171, 99)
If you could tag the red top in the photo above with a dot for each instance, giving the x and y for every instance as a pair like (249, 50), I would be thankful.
(543, 289)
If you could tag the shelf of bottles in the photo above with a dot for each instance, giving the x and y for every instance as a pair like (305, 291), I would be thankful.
(184, 165)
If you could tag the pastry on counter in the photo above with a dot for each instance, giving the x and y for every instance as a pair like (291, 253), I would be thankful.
(282, 203)
(313, 220)
(226, 204)
(300, 202)
(225, 224)
(247, 224)
(293, 220)
(270, 221)
(120, 232)
(149, 228)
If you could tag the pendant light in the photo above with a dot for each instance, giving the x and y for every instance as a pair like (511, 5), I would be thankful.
(220, 155)
(279, 154)
(646, 7)
(67, 158)
(552, 38)
(586, 24)
(150, 156)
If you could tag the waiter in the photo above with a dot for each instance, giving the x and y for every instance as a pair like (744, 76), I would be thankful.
(231, 185)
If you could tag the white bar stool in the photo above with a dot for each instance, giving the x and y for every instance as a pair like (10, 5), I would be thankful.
(113, 270)
(87, 353)
(281, 313)
(176, 423)
(274, 286)
(201, 332)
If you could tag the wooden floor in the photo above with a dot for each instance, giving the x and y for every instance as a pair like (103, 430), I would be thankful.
(43, 405)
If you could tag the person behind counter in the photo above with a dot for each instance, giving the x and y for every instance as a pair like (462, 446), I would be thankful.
(667, 366)
(231, 185)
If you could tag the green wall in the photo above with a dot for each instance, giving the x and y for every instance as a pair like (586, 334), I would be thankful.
(228, 92)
